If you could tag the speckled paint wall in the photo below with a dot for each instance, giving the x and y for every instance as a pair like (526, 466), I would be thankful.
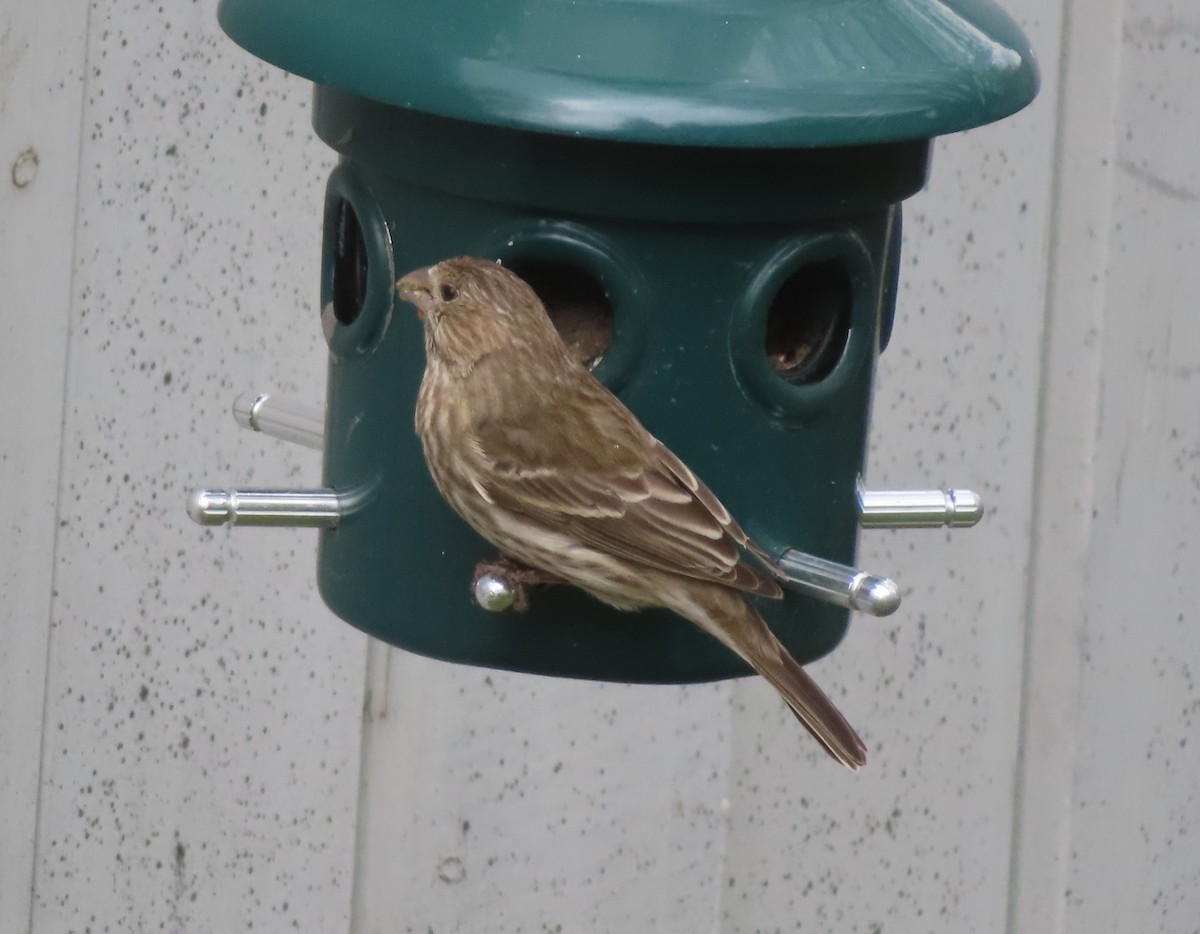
(1133, 862)
(202, 708)
(183, 744)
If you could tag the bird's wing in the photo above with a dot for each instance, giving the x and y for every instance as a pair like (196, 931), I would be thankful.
(591, 471)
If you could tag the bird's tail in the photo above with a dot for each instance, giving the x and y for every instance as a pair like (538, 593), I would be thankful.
(732, 619)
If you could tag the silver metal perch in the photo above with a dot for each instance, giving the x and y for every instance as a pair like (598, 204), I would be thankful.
(281, 418)
(826, 580)
(818, 577)
(293, 421)
(918, 509)
(322, 508)
(287, 420)
(839, 584)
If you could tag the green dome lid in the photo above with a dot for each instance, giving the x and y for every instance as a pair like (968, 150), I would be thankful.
(760, 73)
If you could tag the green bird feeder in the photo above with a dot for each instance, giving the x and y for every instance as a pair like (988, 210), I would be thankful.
(707, 197)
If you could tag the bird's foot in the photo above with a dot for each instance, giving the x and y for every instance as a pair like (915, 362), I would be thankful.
(515, 577)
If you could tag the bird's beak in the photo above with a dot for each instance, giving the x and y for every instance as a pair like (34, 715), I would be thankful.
(417, 288)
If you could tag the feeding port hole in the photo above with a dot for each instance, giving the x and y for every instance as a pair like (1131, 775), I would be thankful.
(576, 303)
(808, 323)
(349, 264)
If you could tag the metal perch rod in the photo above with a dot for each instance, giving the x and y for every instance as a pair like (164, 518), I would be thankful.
(279, 508)
(918, 509)
(293, 421)
(281, 418)
(840, 584)
(323, 508)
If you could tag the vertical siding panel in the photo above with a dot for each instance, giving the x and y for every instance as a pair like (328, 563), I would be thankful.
(203, 707)
(1063, 497)
(42, 49)
(1135, 859)
(516, 803)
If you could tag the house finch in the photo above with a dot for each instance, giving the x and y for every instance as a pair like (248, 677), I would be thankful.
(551, 468)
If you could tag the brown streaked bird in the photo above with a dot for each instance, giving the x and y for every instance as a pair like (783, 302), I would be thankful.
(550, 467)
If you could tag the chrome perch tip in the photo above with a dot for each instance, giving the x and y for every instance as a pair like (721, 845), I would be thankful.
(246, 408)
(493, 594)
(839, 584)
(879, 596)
(966, 508)
(210, 507)
(282, 418)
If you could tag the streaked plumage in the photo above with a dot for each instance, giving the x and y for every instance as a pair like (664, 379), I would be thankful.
(548, 465)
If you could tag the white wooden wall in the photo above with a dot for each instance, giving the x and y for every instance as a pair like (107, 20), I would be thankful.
(190, 742)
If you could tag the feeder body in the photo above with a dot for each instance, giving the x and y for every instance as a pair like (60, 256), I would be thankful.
(691, 248)
(723, 180)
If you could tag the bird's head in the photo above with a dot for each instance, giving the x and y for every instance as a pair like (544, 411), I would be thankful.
(473, 307)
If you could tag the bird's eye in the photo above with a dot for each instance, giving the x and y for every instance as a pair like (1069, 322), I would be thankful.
(448, 292)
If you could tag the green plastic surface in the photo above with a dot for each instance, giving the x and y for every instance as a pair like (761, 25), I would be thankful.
(765, 73)
(690, 299)
(690, 157)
